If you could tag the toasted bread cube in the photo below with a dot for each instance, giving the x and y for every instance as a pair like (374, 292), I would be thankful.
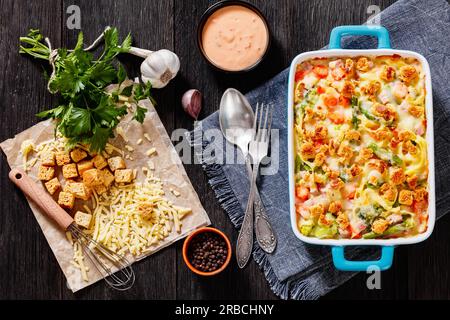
(146, 210)
(70, 171)
(46, 173)
(116, 163)
(100, 189)
(53, 186)
(92, 177)
(99, 162)
(78, 154)
(84, 165)
(66, 200)
(62, 158)
(78, 189)
(406, 197)
(108, 177)
(48, 158)
(83, 219)
(123, 175)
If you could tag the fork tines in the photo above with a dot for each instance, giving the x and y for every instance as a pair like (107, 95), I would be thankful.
(263, 125)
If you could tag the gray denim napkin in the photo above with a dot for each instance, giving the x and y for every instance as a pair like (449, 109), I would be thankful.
(297, 270)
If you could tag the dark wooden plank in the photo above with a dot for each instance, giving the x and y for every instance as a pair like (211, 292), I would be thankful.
(28, 267)
(428, 264)
(150, 23)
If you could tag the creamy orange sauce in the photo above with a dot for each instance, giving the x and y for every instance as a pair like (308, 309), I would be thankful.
(234, 38)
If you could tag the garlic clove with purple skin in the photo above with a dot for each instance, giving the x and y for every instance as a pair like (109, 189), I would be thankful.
(192, 102)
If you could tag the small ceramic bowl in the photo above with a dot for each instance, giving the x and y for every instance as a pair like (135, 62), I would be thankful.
(187, 243)
(214, 8)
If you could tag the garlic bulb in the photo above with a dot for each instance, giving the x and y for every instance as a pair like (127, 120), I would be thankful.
(160, 67)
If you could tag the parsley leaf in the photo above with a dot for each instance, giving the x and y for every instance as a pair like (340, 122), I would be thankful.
(121, 74)
(87, 113)
(100, 138)
(78, 122)
(140, 113)
(127, 91)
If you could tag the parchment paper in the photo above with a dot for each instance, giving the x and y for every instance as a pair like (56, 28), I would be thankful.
(168, 167)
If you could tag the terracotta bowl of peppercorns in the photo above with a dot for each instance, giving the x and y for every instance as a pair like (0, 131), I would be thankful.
(207, 251)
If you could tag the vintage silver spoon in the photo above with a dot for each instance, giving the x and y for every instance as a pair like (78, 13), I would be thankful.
(236, 119)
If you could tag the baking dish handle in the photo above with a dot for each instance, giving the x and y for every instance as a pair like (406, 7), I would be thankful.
(341, 263)
(367, 30)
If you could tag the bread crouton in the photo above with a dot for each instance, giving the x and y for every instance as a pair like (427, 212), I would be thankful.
(397, 176)
(335, 206)
(352, 135)
(388, 192)
(108, 177)
(307, 150)
(84, 165)
(99, 162)
(78, 154)
(408, 74)
(379, 226)
(82, 219)
(342, 220)
(116, 163)
(320, 159)
(100, 189)
(406, 197)
(372, 88)
(70, 171)
(146, 210)
(78, 189)
(387, 73)
(416, 110)
(92, 177)
(420, 194)
(363, 64)
(316, 210)
(53, 185)
(62, 158)
(47, 158)
(46, 173)
(66, 200)
(123, 175)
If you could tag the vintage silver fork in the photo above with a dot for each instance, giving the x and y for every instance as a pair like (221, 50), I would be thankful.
(258, 149)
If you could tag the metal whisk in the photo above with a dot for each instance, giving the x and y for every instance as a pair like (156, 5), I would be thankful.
(119, 275)
(121, 280)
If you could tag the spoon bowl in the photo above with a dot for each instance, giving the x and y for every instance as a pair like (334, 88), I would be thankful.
(236, 119)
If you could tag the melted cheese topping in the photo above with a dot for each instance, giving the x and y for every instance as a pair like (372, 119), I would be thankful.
(361, 162)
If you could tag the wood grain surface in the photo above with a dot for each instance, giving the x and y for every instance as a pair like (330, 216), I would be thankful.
(28, 270)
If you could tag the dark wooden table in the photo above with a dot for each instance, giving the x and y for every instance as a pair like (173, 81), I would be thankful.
(28, 268)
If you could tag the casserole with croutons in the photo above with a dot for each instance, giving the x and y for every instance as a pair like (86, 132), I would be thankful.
(361, 164)
(361, 147)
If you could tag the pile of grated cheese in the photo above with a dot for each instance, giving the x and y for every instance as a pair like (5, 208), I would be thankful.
(119, 225)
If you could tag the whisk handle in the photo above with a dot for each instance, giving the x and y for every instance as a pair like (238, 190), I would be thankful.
(41, 198)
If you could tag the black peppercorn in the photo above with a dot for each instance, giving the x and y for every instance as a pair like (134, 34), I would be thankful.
(207, 252)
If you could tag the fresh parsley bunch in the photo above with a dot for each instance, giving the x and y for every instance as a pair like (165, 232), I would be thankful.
(86, 112)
